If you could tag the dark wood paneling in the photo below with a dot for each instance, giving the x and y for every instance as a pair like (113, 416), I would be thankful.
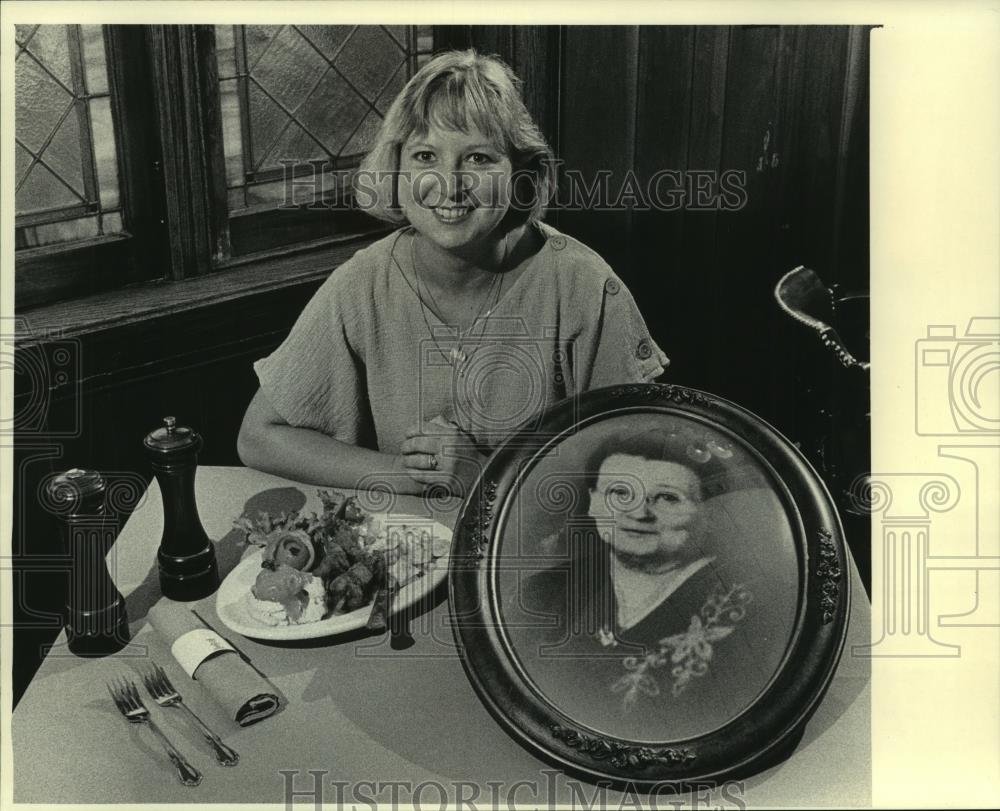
(537, 61)
(742, 357)
(663, 132)
(278, 228)
(822, 108)
(696, 285)
(54, 273)
(497, 40)
(785, 159)
(597, 133)
(452, 37)
(852, 168)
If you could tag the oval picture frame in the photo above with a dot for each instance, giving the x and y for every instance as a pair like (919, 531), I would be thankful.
(719, 678)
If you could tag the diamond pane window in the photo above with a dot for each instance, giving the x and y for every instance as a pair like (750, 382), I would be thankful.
(307, 97)
(66, 157)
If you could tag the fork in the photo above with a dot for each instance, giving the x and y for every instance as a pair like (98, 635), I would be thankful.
(126, 698)
(165, 695)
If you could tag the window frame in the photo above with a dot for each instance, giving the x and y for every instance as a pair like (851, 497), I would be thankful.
(52, 272)
(208, 239)
(163, 82)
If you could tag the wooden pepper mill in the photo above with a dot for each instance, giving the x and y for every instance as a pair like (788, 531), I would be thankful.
(188, 569)
(96, 620)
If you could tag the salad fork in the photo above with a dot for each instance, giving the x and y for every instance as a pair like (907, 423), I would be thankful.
(165, 695)
(127, 700)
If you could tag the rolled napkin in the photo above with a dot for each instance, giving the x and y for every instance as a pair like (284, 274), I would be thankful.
(210, 660)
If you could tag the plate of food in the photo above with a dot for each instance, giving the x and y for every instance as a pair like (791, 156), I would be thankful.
(304, 577)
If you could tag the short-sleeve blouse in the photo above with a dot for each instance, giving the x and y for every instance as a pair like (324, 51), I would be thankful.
(366, 360)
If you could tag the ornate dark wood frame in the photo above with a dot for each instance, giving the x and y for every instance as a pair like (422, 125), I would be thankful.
(756, 738)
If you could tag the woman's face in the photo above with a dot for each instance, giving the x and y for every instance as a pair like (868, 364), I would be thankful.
(651, 504)
(454, 188)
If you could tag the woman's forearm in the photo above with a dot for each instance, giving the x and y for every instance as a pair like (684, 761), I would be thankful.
(312, 457)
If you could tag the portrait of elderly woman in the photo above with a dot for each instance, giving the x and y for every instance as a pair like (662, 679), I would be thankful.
(661, 607)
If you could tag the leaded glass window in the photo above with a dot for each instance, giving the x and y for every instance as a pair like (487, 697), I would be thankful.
(306, 98)
(66, 155)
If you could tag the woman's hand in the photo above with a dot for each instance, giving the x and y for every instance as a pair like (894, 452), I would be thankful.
(439, 453)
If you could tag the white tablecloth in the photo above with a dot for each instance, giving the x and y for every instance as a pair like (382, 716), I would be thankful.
(366, 720)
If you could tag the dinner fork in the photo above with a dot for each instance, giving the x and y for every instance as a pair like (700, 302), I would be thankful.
(165, 695)
(126, 698)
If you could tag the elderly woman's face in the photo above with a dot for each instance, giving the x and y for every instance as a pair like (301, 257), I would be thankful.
(651, 504)
(454, 187)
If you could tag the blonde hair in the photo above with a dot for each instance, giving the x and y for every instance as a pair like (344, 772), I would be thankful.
(459, 90)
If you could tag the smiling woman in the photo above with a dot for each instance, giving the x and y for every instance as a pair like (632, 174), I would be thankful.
(428, 347)
(469, 201)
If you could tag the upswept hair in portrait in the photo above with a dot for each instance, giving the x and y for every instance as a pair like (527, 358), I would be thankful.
(721, 466)
(458, 90)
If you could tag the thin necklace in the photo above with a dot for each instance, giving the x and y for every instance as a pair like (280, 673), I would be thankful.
(457, 357)
(430, 294)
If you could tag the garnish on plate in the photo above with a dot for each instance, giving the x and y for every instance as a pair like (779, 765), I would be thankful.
(341, 560)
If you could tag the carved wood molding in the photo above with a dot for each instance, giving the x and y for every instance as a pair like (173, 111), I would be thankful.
(665, 392)
(829, 571)
(621, 755)
(482, 519)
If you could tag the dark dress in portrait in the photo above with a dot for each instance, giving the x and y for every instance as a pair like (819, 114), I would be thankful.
(693, 663)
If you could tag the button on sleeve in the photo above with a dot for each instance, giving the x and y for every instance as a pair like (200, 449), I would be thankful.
(619, 346)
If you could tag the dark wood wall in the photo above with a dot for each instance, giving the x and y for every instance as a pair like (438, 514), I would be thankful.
(786, 106)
